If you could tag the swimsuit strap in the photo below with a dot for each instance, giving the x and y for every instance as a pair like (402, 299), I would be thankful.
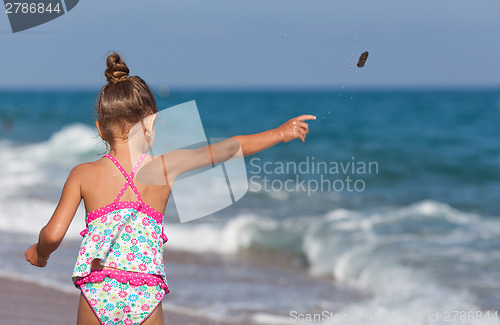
(127, 177)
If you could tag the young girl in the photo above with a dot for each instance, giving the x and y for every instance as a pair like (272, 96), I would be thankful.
(119, 267)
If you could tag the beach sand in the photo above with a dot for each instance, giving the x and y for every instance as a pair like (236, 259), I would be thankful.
(23, 303)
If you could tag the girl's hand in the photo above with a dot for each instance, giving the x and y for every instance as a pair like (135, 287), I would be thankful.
(295, 128)
(34, 257)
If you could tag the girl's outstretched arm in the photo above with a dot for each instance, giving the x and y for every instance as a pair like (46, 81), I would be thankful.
(53, 233)
(294, 128)
(181, 161)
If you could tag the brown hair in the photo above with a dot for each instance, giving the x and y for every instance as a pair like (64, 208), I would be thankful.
(123, 101)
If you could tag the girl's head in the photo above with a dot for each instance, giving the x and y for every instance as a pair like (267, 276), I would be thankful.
(123, 102)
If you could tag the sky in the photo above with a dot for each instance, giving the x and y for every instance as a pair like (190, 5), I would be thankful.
(261, 44)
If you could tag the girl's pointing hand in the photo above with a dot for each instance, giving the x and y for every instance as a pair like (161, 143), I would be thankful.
(295, 128)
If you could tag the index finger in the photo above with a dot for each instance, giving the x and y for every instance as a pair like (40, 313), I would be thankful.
(306, 117)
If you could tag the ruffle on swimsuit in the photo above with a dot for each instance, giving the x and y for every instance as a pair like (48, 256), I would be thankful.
(134, 278)
(134, 205)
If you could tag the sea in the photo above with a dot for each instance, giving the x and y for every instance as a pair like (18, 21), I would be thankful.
(388, 213)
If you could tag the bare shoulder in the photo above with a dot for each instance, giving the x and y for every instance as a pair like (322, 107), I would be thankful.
(85, 170)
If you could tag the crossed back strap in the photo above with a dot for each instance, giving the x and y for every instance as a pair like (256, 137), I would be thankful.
(127, 177)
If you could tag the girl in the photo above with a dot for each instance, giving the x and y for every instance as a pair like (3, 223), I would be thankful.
(119, 267)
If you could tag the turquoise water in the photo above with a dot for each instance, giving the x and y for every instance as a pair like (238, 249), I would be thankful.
(422, 225)
(439, 145)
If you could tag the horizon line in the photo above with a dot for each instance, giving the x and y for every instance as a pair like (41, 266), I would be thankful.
(265, 88)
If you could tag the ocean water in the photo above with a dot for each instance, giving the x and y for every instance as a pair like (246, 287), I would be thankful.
(388, 214)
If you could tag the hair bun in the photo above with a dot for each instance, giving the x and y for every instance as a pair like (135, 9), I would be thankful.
(117, 69)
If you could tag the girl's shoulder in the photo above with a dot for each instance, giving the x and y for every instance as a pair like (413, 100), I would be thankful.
(80, 175)
(87, 168)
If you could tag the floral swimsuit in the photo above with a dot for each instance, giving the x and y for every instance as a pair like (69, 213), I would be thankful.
(127, 237)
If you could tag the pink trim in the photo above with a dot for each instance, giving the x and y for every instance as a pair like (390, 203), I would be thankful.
(136, 205)
(128, 177)
(139, 162)
(134, 278)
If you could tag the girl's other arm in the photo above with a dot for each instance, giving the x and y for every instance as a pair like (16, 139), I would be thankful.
(53, 233)
(294, 128)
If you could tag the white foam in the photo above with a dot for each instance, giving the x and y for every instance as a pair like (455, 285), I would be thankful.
(28, 216)
(46, 163)
(243, 231)
(33, 176)
(391, 253)
(236, 234)
(264, 318)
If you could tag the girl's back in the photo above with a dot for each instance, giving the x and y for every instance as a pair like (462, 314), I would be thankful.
(101, 182)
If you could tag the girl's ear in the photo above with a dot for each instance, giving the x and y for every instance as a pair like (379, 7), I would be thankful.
(98, 128)
(148, 124)
(150, 121)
